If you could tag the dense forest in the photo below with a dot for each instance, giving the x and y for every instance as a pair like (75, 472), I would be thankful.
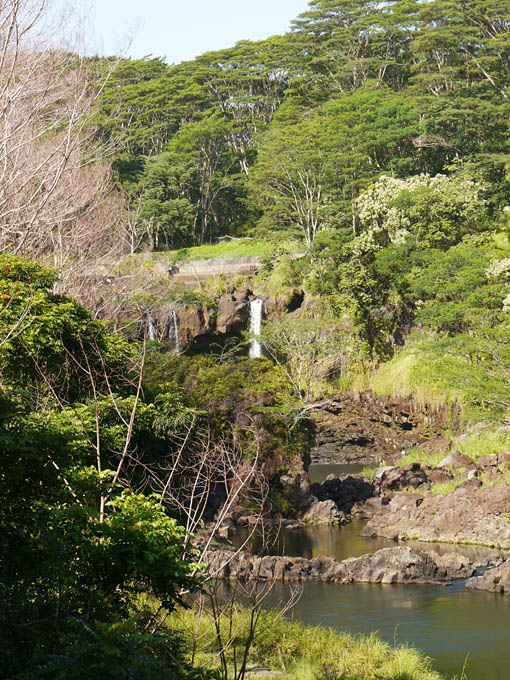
(365, 155)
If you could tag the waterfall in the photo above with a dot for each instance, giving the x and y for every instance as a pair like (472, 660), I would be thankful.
(173, 330)
(152, 328)
(256, 307)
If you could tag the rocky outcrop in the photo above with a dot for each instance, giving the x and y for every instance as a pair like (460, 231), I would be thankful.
(345, 491)
(467, 515)
(394, 478)
(228, 314)
(389, 565)
(233, 314)
(496, 580)
(179, 321)
(365, 428)
(323, 512)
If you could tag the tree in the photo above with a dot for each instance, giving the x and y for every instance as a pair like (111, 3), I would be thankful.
(169, 199)
(310, 169)
(80, 542)
(206, 142)
(343, 44)
(307, 350)
(53, 172)
(432, 211)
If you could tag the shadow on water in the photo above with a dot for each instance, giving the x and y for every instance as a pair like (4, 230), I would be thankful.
(318, 472)
(342, 542)
(447, 623)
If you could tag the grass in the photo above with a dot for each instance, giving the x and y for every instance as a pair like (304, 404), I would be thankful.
(483, 442)
(406, 375)
(417, 455)
(444, 488)
(231, 248)
(491, 483)
(369, 472)
(304, 652)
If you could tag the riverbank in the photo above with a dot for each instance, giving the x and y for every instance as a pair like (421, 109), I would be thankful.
(447, 621)
(292, 650)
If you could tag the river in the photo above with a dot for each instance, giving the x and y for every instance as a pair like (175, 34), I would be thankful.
(451, 624)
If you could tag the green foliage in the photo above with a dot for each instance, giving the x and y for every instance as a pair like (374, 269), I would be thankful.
(120, 650)
(307, 121)
(168, 194)
(432, 211)
(451, 291)
(79, 544)
(306, 652)
(468, 369)
(50, 345)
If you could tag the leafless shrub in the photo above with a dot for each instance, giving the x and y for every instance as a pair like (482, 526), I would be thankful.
(55, 179)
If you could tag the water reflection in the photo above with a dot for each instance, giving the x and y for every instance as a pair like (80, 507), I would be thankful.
(341, 542)
(319, 471)
(447, 623)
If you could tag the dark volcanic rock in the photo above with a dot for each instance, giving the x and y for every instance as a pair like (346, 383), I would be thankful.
(504, 458)
(366, 428)
(394, 478)
(323, 512)
(345, 490)
(389, 565)
(466, 515)
(455, 459)
(495, 580)
(491, 460)
(436, 445)
(233, 314)
(440, 475)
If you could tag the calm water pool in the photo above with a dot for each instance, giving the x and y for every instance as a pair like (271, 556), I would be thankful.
(449, 623)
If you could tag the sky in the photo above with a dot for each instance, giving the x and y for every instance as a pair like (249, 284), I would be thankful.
(182, 29)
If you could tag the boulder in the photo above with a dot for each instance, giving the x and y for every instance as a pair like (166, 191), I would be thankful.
(395, 478)
(504, 458)
(455, 459)
(496, 580)
(436, 445)
(345, 490)
(371, 506)
(438, 475)
(490, 460)
(407, 565)
(323, 512)
(470, 483)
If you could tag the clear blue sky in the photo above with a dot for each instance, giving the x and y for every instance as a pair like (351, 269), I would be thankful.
(182, 29)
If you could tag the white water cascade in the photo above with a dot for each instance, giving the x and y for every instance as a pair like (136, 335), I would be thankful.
(173, 330)
(152, 328)
(256, 308)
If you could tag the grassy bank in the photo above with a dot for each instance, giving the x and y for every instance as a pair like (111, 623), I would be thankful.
(304, 652)
(233, 248)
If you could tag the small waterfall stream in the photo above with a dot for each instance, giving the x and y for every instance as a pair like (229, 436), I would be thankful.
(173, 331)
(152, 328)
(256, 308)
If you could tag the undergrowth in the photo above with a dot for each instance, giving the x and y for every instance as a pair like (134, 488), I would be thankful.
(304, 652)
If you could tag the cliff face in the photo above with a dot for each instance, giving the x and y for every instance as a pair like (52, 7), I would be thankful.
(183, 324)
(366, 428)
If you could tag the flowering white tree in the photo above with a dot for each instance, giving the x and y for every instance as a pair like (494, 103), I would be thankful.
(435, 211)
